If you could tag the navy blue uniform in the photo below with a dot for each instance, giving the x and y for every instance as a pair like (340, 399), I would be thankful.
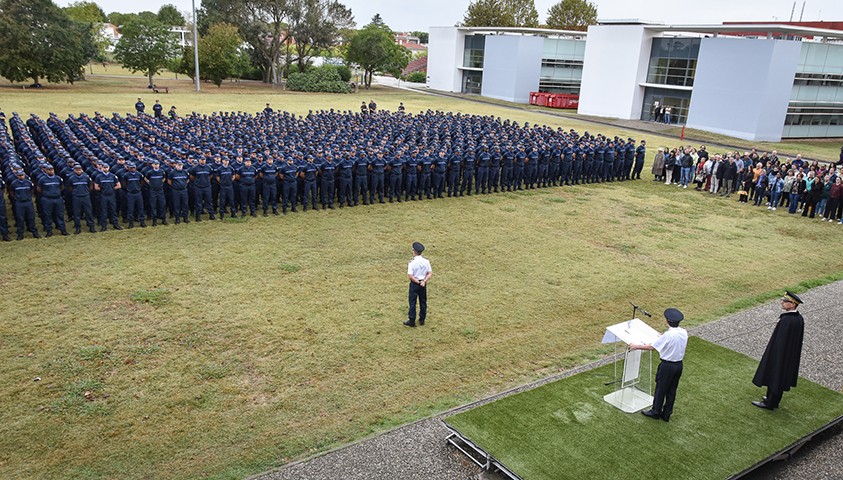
(378, 166)
(290, 172)
(269, 191)
(361, 179)
(157, 198)
(328, 170)
(310, 170)
(200, 177)
(107, 185)
(178, 188)
(345, 168)
(21, 189)
(225, 179)
(396, 177)
(80, 197)
(4, 222)
(248, 193)
(640, 154)
(440, 166)
(132, 182)
(52, 203)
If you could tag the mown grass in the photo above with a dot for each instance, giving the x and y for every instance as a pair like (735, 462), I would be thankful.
(281, 337)
(568, 421)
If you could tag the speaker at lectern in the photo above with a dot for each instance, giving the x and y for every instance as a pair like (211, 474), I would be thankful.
(630, 397)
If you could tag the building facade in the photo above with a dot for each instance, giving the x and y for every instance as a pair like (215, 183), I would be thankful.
(753, 81)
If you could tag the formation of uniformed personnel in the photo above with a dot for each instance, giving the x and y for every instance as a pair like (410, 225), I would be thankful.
(153, 166)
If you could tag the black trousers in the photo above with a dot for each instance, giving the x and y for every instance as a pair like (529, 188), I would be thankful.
(774, 397)
(667, 379)
(420, 293)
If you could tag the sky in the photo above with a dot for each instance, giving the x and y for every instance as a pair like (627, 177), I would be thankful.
(419, 15)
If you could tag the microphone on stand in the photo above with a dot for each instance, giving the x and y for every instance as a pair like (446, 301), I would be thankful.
(636, 307)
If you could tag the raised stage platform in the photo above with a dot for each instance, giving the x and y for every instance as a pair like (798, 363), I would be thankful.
(565, 429)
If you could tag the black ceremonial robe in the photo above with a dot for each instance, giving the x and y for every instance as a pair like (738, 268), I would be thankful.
(779, 367)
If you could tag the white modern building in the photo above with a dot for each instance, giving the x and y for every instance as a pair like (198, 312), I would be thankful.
(505, 63)
(753, 81)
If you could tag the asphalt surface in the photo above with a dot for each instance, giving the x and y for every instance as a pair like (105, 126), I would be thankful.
(418, 451)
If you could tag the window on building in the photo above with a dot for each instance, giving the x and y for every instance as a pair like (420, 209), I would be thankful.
(673, 61)
(475, 46)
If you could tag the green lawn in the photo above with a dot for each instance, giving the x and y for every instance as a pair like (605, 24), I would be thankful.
(566, 430)
(221, 349)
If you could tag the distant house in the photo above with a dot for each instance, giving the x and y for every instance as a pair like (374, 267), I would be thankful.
(111, 33)
(409, 42)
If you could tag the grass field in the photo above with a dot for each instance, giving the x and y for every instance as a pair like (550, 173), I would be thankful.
(568, 421)
(221, 349)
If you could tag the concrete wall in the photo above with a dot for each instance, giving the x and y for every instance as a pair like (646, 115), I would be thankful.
(444, 56)
(512, 67)
(742, 87)
(616, 61)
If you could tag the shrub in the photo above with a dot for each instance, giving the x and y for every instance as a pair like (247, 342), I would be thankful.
(323, 79)
(417, 77)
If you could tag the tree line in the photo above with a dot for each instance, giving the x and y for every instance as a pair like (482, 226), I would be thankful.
(259, 39)
(564, 15)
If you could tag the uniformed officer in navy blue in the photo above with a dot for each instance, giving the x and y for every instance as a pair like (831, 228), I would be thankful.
(328, 170)
(310, 171)
(628, 158)
(79, 184)
(396, 176)
(139, 106)
(454, 166)
(671, 347)
(157, 109)
(467, 172)
(412, 180)
(640, 154)
(225, 179)
(378, 168)
(4, 222)
(200, 176)
(290, 174)
(177, 180)
(440, 167)
(269, 181)
(156, 178)
(361, 178)
(20, 190)
(133, 183)
(50, 188)
(344, 169)
(248, 176)
(484, 160)
(107, 184)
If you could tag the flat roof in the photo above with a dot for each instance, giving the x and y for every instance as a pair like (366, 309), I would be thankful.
(543, 31)
(761, 29)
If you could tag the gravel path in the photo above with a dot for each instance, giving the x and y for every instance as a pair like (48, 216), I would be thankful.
(418, 451)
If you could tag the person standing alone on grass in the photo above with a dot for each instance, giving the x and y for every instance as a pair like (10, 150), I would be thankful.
(779, 367)
(419, 272)
(671, 347)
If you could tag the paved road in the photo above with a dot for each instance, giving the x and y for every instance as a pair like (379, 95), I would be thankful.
(418, 451)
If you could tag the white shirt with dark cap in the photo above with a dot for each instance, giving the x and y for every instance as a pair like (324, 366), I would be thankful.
(671, 344)
(418, 267)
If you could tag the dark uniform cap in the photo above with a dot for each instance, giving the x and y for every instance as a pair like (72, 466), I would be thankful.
(673, 315)
(792, 297)
(418, 247)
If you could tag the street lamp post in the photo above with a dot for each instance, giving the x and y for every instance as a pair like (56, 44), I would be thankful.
(195, 48)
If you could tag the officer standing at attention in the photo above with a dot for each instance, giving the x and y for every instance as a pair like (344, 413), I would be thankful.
(79, 184)
(21, 191)
(267, 110)
(4, 222)
(419, 272)
(225, 179)
(177, 180)
(779, 367)
(132, 182)
(640, 153)
(157, 200)
(200, 177)
(52, 204)
(290, 173)
(139, 106)
(157, 109)
(310, 171)
(107, 184)
(328, 168)
(247, 176)
(269, 181)
(671, 347)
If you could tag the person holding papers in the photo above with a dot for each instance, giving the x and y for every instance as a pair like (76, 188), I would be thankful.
(671, 347)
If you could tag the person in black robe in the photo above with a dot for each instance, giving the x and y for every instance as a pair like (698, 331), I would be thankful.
(779, 367)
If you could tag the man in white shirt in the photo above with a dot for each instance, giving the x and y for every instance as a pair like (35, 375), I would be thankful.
(671, 347)
(419, 272)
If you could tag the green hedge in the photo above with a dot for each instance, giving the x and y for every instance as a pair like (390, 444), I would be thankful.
(326, 78)
(416, 77)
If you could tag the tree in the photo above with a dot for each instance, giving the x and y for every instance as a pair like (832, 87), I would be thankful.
(85, 12)
(89, 13)
(315, 25)
(117, 18)
(501, 13)
(423, 36)
(572, 15)
(171, 16)
(219, 53)
(146, 46)
(374, 49)
(40, 41)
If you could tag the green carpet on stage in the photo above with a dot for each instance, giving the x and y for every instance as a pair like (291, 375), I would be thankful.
(565, 430)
